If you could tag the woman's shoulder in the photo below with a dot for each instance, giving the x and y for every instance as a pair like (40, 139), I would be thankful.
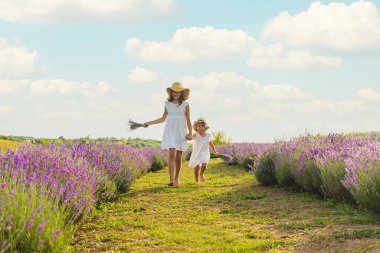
(185, 103)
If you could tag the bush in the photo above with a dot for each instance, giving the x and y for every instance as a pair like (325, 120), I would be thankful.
(363, 180)
(106, 190)
(332, 175)
(248, 162)
(158, 163)
(284, 173)
(265, 171)
(309, 177)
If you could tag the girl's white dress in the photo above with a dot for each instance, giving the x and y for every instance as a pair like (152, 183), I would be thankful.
(175, 128)
(201, 151)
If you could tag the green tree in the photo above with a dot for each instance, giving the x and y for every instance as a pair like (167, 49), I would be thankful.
(219, 138)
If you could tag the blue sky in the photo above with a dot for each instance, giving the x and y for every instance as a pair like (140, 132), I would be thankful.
(257, 70)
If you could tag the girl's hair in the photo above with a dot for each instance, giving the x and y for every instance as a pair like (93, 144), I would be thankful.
(180, 99)
(200, 122)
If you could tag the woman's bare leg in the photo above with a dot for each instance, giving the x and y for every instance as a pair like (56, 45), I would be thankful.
(171, 164)
(178, 164)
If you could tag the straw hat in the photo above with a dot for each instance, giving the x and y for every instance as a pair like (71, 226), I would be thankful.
(177, 87)
(201, 120)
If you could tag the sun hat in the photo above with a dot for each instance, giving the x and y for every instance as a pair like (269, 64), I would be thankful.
(177, 87)
(201, 120)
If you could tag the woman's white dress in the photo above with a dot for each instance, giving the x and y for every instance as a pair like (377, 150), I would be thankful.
(201, 150)
(175, 128)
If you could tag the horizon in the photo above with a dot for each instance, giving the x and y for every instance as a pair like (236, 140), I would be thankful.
(257, 71)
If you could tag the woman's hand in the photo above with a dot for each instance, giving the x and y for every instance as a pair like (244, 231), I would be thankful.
(145, 125)
(189, 137)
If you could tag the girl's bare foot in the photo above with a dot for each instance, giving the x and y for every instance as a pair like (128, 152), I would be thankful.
(202, 178)
(177, 182)
(197, 182)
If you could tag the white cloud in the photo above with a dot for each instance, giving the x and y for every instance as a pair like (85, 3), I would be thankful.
(142, 75)
(70, 115)
(99, 91)
(55, 86)
(191, 44)
(6, 109)
(281, 92)
(232, 83)
(231, 102)
(222, 81)
(13, 86)
(63, 87)
(25, 11)
(250, 116)
(277, 56)
(15, 60)
(334, 26)
(319, 105)
(369, 94)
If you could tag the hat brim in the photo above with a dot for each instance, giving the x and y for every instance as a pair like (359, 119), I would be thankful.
(185, 92)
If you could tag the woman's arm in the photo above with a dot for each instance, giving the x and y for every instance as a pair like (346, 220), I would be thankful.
(188, 121)
(159, 120)
(212, 147)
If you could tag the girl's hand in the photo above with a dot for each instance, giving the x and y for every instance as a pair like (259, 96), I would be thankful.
(145, 125)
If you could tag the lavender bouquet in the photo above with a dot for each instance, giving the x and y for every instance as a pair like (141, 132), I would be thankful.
(226, 158)
(134, 125)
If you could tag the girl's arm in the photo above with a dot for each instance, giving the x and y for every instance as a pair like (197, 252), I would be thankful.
(159, 120)
(189, 126)
(212, 147)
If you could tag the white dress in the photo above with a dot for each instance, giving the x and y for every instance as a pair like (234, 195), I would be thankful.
(175, 128)
(201, 150)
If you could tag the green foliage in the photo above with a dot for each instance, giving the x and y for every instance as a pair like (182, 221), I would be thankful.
(366, 191)
(158, 163)
(248, 161)
(219, 138)
(332, 175)
(284, 173)
(31, 221)
(310, 177)
(265, 171)
(135, 142)
(107, 191)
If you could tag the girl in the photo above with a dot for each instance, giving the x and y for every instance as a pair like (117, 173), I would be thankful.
(201, 149)
(177, 113)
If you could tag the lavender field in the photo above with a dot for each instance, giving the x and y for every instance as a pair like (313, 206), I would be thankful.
(337, 166)
(47, 191)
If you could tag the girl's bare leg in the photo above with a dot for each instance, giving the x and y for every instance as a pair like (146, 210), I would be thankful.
(196, 174)
(171, 164)
(203, 168)
(178, 164)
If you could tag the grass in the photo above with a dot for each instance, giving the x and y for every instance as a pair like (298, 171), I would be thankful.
(230, 212)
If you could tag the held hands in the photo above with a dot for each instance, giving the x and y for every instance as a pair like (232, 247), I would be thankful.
(145, 125)
(189, 137)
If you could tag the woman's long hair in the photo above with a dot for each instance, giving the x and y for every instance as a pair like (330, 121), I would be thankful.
(180, 99)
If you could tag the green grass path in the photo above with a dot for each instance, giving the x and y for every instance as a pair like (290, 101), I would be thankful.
(230, 212)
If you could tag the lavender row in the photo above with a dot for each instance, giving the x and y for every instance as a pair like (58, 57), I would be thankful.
(47, 191)
(335, 166)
